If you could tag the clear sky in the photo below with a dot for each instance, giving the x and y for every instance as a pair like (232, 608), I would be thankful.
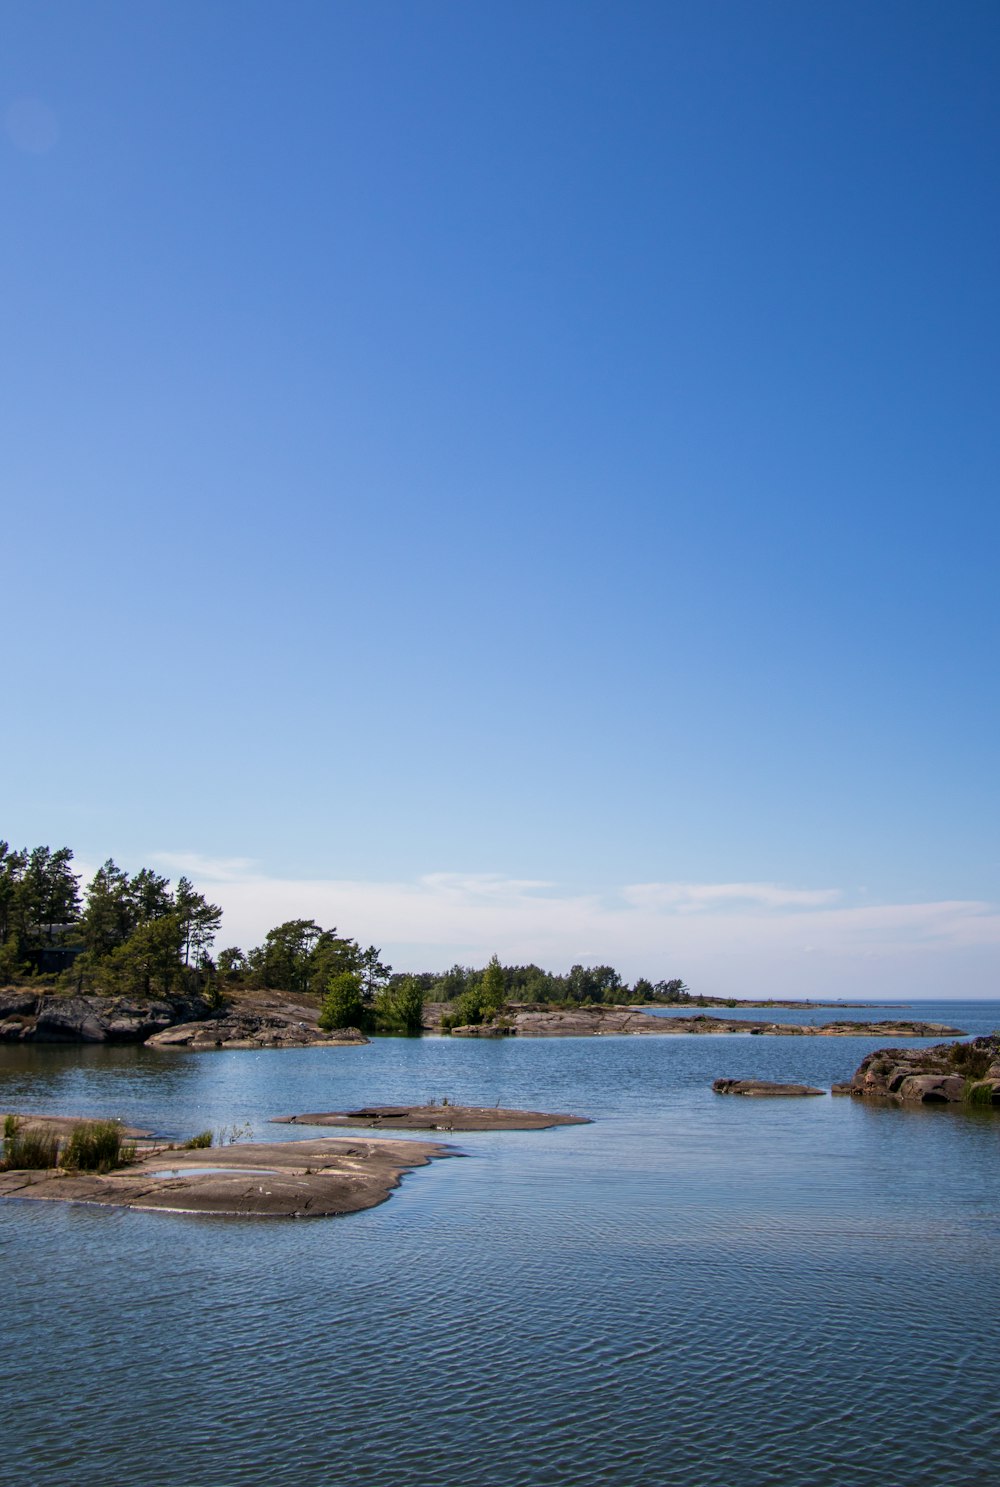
(514, 476)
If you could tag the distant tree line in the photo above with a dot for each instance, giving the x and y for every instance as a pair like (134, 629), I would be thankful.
(138, 935)
(478, 995)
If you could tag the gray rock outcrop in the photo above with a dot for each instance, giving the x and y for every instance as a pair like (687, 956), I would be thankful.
(947, 1074)
(43, 1017)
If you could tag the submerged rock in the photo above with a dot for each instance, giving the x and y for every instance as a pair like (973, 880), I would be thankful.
(761, 1087)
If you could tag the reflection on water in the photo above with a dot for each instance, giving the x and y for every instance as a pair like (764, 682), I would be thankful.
(690, 1291)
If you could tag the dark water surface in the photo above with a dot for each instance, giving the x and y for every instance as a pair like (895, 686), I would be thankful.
(694, 1290)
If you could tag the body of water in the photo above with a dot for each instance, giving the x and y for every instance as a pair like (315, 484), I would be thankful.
(693, 1290)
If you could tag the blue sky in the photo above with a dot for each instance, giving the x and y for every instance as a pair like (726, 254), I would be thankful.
(449, 448)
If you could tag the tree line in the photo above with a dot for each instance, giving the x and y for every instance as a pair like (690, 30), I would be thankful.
(137, 934)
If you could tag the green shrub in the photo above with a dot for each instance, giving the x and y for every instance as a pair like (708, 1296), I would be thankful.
(342, 1005)
(28, 1150)
(203, 1138)
(971, 1060)
(97, 1146)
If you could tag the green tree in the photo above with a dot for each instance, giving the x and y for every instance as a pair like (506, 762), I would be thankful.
(492, 989)
(400, 1006)
(232, 963)
(672, 991)
(39, 897)
(342, 1005)
(149, 962)
(374, 975)
(108, 913)
(299, 956)
(200, 921)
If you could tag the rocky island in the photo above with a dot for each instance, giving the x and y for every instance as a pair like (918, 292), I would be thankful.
(443, 1117)
(947, 1074)
(539, 1021)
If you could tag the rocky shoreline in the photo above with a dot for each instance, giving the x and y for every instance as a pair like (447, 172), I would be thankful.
(270, 1020)
(261, 1021)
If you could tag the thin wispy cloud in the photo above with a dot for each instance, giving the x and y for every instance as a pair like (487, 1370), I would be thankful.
(725, 938)
(686, 897)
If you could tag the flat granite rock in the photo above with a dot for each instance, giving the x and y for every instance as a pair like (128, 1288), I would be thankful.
(285, 1179)
(436, 1118)
(761, 1087)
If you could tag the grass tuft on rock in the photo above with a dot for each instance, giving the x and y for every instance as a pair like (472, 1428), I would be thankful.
(978, 1092)
(28, 1149)
(97, 1146)
(197, 1143)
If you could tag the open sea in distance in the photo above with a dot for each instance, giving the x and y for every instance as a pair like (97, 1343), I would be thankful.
(693, 1291)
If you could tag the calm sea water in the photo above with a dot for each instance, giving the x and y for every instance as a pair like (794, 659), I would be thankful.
(693, 1290)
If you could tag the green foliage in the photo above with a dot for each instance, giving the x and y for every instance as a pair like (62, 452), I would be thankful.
(375, 976)
(978, 1092)
(343, 1005)
(13, 965)
(141, 938)
(28, 1148)
(149, 962)
(300, 957)
(232, 963)
(97, 1146)
(492, 989)
(197, 1143)
(973, 1059)
(399, 1008)
(39, 904)
(199, 921)
(672, 991)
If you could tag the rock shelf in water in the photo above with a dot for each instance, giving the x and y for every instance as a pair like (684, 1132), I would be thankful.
(762, 1087)
(284, 1179)
(436, 1118)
